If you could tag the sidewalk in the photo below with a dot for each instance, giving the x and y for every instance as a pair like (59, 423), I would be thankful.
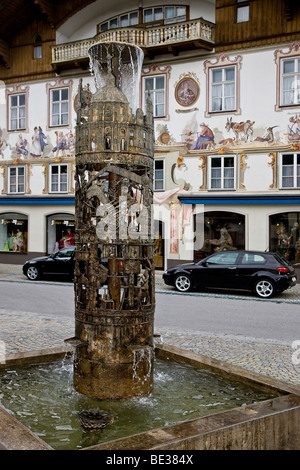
(22, 333)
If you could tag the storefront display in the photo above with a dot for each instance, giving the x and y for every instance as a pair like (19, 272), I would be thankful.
(13, 233)
(60, 232)
(218, 231)
(285, 235)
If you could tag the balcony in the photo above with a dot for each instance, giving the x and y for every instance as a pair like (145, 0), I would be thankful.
(174, 38)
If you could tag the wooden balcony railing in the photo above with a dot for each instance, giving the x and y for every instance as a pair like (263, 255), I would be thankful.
(196, 31)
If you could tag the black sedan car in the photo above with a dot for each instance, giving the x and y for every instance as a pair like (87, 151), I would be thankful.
(263, 273)
(61, 263)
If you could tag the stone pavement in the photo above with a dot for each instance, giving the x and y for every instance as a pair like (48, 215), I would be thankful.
(265, 357)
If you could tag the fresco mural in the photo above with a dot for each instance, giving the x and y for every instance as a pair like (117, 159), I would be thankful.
(37, 146)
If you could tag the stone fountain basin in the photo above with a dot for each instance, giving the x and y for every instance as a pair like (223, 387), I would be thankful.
(272, 424)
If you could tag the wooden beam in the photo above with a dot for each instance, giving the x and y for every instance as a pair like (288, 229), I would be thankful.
(47, 9)
(5, 53)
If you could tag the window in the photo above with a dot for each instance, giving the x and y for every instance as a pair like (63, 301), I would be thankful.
(37, 52)
(37, 48)
(59, 178)
(223, 258)
(155, 85)
(159, 175)
(284, 235)
(242, 14)
(164, 15)
(222, 173)
(13, 232)
(223, 82)
(290, 82)
(252, 258)
(17, 112)
(60, 232)
(290, 170)
(16, 180)
(223, 89)
(122, 21)
(59, 104)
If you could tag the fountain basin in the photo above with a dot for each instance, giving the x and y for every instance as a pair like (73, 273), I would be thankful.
(270, 423)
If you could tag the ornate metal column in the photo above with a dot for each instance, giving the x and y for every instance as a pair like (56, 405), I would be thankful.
(114, 273)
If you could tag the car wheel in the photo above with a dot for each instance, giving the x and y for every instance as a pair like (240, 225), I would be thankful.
(183, 283)
(32, 273)
(264, 288)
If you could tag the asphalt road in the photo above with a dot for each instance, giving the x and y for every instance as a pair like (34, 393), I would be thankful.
(252, 319)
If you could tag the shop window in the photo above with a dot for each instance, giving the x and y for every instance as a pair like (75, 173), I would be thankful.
(290, 170)
(285, 235)
(13, 233)
(16, 180)
(59, 178)
(222, 172)
(159, 175)
(218, 231)
(60, 232)
(159, 244)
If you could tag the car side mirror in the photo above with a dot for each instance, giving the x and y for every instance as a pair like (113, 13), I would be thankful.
(204, 263)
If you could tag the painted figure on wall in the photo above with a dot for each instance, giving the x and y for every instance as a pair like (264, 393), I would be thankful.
(21, 146)
(36, 148)
(64, 143)
(268, 136)
(43, 138)
(294, 128)
(239, 129)
(205, 138)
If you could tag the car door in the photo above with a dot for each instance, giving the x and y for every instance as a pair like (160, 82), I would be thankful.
(61, 262)
(249, 264)
(220, 270)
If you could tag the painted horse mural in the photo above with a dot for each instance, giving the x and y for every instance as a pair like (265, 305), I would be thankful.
(240, 128)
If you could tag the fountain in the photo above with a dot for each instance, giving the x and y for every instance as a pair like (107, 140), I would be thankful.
(114, 299)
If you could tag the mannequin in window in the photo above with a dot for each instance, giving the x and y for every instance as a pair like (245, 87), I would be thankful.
(224, 242)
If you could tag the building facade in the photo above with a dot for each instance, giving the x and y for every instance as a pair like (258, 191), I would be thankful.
(224, 79)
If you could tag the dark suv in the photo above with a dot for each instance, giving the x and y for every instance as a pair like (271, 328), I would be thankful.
(264, 273)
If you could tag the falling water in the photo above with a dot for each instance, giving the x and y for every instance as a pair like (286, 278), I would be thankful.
(124, 61)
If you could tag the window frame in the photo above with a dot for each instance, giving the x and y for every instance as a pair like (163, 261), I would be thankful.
(222, 177)
(17, 90)
(295, 168)
(17, 168)
(245, 6)
(223, 84)
(59, 182)
(60, 103)
(159, 179)
(280, 58)
(224, 63)
(155, 72)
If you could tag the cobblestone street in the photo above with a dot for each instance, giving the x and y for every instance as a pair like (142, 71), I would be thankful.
(23, 332)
